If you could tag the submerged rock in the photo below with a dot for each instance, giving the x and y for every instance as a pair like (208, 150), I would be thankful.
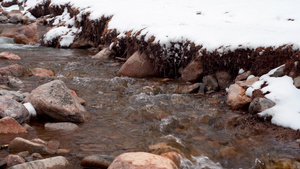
(97, 161)
(19, 144)
(61, 126)
(237, 98)
(41, 72)
(55, 100)
(8, 55)
(12, 70)
(9, 125)
(141, 160)
(193, 71)
(14, 109)
(260, 104)
(48, 163)
(138, 65)
(104, 54)
(189, 88)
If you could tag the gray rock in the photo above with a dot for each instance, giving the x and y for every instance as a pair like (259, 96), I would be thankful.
(55, 100)
(14, 109)
(279, 72)
(64, 126)
(16, 95)
(260, 104)
(12, 70)
(3, 19)
(201, 88)
(224, 79)
(48, 163)
(210, 83)
(15, 82)
(297, 82)
(17, 18)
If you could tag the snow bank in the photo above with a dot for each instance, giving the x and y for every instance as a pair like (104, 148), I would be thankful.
(285, 95)
(214, 23)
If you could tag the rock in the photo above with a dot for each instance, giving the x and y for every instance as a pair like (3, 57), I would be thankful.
(201, 88)
(54, 100)
(12, 160)
(248, 82)
(236, 98)
(8, 55)
(140, 160)
(243, 76)
(80, 100)
(16, 18)
(16, 95)
(3, 19)
(193, 71)
(282, 163)
(279, 72)
(211, 84)
(174, 156)
(41, 72)
(12, 70)
(297, 82)
(138, 65)
(8, 3)
(24, 35)
(224, 79)
(28, 127)
(23, 154)
(3, 164)
(53, 145)
(9, 125)
(189, 88)
(48, 163)
(104, 54)
(96, 161)
(62, 151)
(36, 156)
(12, 108)
(61, 126)
(260, 104)
(15, 82)
(19, 144)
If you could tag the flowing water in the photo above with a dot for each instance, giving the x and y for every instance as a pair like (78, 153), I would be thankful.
(130, 114)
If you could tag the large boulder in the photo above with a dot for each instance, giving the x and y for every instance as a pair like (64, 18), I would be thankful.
(237, 98)
(14, 109)
(138, 65)
(41, 72)
(19, 144)
(142, 160)
(193, 71)
(260, 104)
(48, 163)
(24, 35)
(55, 100)
(12, 160)
(12, 70)
(9, 125)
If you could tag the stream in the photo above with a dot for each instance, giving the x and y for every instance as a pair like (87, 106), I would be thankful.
(130, 114)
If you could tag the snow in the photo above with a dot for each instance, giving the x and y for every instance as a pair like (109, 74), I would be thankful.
(285, 95)
(214, 23)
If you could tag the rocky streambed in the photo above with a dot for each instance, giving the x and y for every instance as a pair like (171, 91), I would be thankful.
(105, 114)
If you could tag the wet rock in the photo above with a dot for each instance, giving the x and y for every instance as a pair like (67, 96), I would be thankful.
(15, 82)
(12, 70)
(189, 88)
(23, 154)
(224, 79)
(12, 108)
(9, 125)
(297, 82)
(28, 127)
(210, 83)
(260, 104)
(193, 71)
(201, 88)
(54, 100)
(104, 54)
(236, 98)
(62, 151)
(24, 35)
(61, 126)
(16, 95)
(283, 163)
(141, 160)
(97, 161)
(48, 163)
(138, 65)
(41, 72)
(3, 19)
(12, 160)
(174, 156)
(162, 148)
(248, 82)
(243, 76)
(53, 145)
(8, 55)
(19, 144)
(80, 100)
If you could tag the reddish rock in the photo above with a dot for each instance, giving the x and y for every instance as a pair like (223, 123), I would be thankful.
(174, 156)
(236, 98)
(55, 100)
(12, 70)
(9, 125)
(138, 65)
(12, 160)
(96, 161)
(142, 160)
(12, 108)
(224, 79)
(53, 145)
(193, 71)
(24, 35)
(188, 88)
(8, 55)
(248, 82)
(243, 76)
(104, 54)
(41, 72)
(19, 144)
